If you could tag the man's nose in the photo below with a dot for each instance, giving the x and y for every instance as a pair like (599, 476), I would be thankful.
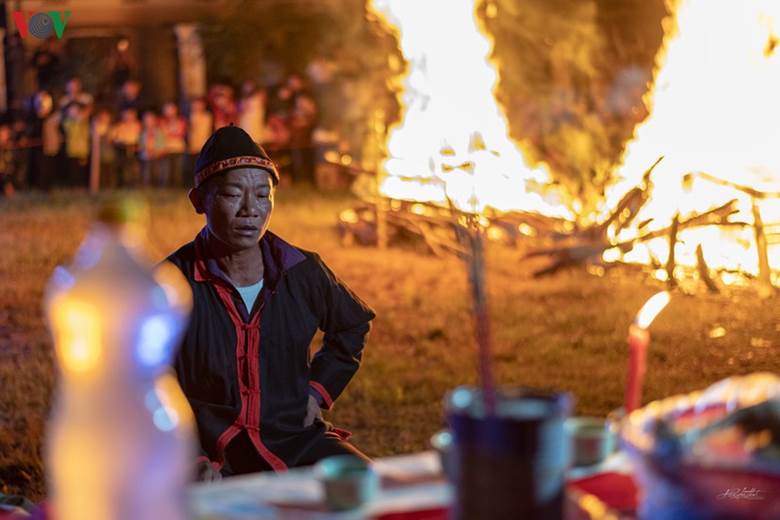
(250, 205)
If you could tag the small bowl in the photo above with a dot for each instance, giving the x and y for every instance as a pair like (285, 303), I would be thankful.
(348, 482)
(443, 443)
(591, 439)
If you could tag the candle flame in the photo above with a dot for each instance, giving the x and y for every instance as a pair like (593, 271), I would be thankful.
(652, 308)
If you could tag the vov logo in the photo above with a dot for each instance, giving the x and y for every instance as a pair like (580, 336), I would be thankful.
(41, 25)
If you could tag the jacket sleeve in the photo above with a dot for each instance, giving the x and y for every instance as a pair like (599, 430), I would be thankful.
(345, 321)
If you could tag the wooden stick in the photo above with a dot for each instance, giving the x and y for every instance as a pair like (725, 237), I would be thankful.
(764, 274)
(754, 193)
(649, 171)
(381, 222)
(421, 228)
(631, 201)
(476, 273)
(704, 270)
(570, 257)
(427, 235)
(579, 252)
(716, 216)
(670, 261)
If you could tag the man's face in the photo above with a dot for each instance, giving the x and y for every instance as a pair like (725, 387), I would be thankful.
(238, 206)
(73, 86)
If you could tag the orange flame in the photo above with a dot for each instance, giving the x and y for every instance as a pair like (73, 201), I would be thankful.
(452, 143)
(714, 109)
(652, 308)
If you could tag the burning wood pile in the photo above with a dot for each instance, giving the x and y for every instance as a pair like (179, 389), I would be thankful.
(565, 244)
(707, 214)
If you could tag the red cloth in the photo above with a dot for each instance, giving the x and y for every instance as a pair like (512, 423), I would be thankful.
(617, 490)
(426, 514)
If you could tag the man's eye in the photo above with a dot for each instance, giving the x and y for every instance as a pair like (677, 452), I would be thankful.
(231, 195)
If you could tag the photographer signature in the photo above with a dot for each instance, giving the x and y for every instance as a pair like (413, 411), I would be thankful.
(741, 494)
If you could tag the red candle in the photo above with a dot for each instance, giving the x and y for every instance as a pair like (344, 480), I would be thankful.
(638, 341)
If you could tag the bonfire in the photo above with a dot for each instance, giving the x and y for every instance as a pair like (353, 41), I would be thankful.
(695, 200)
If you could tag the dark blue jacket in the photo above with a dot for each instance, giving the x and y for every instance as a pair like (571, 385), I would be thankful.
(251, 369)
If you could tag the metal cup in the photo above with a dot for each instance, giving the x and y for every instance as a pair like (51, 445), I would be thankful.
(592, 441)
(511, 464)
(348, 482)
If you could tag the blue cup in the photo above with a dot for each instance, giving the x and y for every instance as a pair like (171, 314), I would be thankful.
(348, 482)
(511, 464)
(591, 438)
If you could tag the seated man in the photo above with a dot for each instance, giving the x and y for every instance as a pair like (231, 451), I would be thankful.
(244, 362)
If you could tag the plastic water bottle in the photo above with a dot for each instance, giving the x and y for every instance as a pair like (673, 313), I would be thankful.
(120, 439)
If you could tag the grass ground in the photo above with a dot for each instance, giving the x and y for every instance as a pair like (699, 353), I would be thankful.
(566, 332)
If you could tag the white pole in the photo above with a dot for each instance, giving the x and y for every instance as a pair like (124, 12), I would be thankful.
(192, 61)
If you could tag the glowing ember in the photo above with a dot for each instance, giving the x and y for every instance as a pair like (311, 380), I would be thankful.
(714, 109)
(453, 140)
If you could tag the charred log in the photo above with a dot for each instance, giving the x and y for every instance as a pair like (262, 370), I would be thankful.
(670, 261)
(765, 287)
(704, 271)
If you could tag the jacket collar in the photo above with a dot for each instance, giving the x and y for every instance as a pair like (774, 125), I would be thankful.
(279, 257)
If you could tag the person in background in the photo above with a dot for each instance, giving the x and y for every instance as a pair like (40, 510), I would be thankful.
(76, 128)
(278, 129)
(278, 132)
(282, 101)
(38, 175)
(251, 111)
(16, 63)
(74, 94)
(222, 105)
(201, 124)
(51, 141)
(121, 64)
(21, 149)
(301, 124)
(129, 96)
(174, 129)
(297, 86)
(6, 161)
(46, 61)
(101, 128)
(151, 148)
(125, 136)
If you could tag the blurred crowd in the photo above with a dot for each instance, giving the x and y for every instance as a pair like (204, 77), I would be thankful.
(63, 136)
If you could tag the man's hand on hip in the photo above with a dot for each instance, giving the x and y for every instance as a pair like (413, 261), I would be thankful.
(206, 472)
(313, 411)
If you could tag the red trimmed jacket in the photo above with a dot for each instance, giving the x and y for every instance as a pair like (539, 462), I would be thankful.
(250, 369)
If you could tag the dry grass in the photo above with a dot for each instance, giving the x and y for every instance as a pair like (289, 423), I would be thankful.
(565, 332)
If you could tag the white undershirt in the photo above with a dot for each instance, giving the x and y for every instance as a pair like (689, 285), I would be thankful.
(249, 294)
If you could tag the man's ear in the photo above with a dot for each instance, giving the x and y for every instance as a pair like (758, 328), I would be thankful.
(196, 199)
